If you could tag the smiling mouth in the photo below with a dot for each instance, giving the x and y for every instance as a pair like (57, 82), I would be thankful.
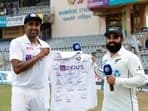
(33, 32)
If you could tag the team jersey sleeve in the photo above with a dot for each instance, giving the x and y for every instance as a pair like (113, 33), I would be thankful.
(15, 50)
(137, 78)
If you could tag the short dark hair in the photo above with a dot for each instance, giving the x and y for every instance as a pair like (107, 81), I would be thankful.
(113, 29)
(32, 16)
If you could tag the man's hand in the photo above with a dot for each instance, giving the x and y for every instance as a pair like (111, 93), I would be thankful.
(93, 59)
(44, 52)
(111, 79)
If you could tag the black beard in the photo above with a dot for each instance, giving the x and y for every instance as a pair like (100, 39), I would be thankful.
(113, 48)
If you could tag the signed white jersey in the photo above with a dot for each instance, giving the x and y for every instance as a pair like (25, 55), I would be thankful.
(73, 82)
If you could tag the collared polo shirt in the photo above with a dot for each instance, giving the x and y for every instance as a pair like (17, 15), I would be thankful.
(36, 76)
(129, 73)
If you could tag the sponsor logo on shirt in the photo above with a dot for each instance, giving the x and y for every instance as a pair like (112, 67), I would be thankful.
(29, 48)
(28, 57)
(71, 67)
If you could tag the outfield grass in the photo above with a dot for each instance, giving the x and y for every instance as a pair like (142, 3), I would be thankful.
(5, 92)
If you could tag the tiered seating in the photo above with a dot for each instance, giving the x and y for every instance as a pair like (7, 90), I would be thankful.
(88, 43)
(91, 44)
(144, 58)
(4, 59)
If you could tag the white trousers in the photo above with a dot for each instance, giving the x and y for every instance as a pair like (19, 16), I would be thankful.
(26, 99)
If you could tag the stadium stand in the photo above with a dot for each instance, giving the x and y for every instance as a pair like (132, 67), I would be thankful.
(91, 44)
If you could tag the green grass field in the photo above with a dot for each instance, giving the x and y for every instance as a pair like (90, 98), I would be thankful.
(5, 93)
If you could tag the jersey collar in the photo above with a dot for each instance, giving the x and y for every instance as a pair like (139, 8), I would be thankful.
(26, 39)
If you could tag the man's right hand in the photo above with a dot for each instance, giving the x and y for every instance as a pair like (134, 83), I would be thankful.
(44, 52)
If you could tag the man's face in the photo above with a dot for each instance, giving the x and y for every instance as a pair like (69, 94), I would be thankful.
(113, 42)
(32, 28)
